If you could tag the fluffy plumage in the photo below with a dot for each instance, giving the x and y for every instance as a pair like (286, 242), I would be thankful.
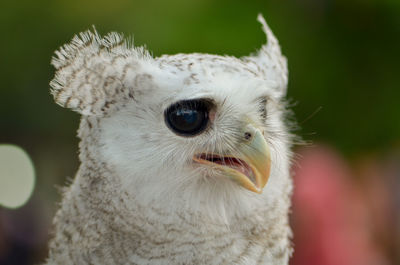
(137, 197)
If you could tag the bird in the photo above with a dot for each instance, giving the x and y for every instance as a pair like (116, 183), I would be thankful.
(184, 159)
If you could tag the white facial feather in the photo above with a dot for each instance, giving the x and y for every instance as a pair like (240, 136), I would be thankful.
(135, 166)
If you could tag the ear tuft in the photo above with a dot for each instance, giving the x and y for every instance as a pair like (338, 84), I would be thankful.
(270, 61)
(92, 72)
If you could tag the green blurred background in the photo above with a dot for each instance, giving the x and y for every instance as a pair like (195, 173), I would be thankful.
(343, 71)
(343, 57)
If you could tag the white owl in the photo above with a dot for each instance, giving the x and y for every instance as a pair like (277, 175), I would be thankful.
(184, 158)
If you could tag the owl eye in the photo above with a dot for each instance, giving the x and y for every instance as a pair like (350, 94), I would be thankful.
(188, 117)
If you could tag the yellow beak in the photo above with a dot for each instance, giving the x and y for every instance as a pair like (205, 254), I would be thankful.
(249, 166)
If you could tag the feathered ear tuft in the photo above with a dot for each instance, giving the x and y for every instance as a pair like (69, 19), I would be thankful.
(270, 61)
(92, 73)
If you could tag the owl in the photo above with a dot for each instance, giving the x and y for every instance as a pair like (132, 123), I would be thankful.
(184, 158)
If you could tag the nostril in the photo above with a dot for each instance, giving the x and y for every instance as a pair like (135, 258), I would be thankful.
(247, 135)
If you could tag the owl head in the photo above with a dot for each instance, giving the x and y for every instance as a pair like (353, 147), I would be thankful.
(184, 129)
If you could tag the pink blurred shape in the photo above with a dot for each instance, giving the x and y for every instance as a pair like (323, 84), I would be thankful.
(330, 215)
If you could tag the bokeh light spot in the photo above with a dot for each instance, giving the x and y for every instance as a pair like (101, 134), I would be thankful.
(17, 176)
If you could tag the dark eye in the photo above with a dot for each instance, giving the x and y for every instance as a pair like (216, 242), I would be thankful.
(188, 117)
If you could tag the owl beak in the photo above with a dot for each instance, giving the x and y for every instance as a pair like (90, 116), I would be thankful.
(249, 167)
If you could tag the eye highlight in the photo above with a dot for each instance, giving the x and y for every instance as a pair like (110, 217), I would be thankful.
(188, 117)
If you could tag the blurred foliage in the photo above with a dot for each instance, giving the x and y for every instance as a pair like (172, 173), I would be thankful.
(343, 57)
